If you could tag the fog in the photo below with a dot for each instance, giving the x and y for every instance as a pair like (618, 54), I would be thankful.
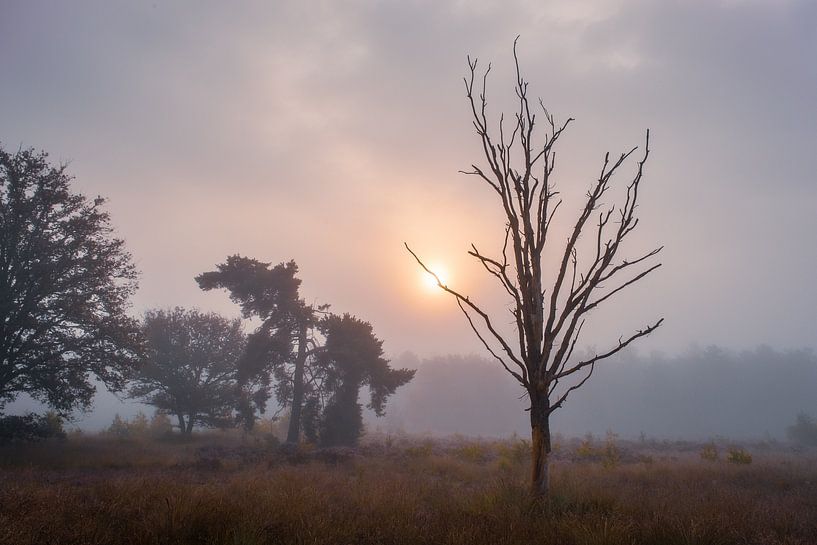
(215, 129)
(330, 133)
(702, 393)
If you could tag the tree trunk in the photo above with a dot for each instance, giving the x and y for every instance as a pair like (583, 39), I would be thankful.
(540, 445)
(182, 427)
(294, 432)
(189, 429)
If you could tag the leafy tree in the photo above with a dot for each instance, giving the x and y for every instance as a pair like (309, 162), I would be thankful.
(352, 357)
(280, 347)
(548, 319)
(318, 383)
(30, 427)
(65, 282)
(191, 366)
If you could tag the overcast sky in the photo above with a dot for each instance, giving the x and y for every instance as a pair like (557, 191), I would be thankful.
(331, 132)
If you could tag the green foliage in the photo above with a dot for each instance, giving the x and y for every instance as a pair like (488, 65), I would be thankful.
(271, 294)
(352, 357)
(803, 431)
(30, 427)
(709, 452)
(139, 427)
(608, 453)
(587, 449)
(283, 350)
(64, 288)
(341, 423)
(738, 456)
(190, 367)
(118, 428)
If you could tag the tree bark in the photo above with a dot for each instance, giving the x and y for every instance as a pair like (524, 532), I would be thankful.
(182, 427)
(189, 429)
(294, 431)
(540, 445)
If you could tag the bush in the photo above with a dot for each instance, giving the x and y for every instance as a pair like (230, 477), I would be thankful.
(471, 452)
(139, 427)
(611, 455)
(160, 425)
(804, 431)
(587, 451)
(30, 427)
(739, 456)
(709, 452)
(118, 428)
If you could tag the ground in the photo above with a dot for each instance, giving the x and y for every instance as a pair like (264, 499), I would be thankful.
(228, 488)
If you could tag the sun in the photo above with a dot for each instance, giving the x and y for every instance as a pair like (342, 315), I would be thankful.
(428, 280)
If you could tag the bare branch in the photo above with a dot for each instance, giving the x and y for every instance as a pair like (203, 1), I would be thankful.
(485, 318)
(562, 399)
(621, 345)
(521, 378)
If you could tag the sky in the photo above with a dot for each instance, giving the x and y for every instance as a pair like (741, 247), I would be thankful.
(332, 132)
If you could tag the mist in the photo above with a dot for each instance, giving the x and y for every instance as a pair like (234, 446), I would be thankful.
(700, 394)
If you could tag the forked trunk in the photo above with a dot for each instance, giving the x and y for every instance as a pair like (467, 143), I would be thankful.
(540, 446)
(294, 431)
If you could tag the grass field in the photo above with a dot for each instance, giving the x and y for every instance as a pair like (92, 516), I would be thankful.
(228, 489)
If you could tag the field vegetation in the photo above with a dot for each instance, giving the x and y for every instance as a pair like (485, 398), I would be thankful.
(230, 487)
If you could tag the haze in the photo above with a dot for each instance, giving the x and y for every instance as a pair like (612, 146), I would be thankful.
(329, 133)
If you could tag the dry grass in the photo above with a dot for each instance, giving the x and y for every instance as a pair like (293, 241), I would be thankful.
(225, 490)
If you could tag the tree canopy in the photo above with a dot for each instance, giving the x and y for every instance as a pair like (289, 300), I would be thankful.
(65, 284)
(190, 368)
(316, 362)
(278, 348)
(352, 357)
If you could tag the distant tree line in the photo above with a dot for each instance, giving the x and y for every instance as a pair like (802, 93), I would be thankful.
(65, 285)
(697, 394)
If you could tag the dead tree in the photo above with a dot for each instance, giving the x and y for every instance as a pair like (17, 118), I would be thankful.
(548, 322)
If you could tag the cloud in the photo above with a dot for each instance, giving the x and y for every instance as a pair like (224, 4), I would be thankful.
(331, 132)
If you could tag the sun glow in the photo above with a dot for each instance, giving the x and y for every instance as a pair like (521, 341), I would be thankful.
(428, 280)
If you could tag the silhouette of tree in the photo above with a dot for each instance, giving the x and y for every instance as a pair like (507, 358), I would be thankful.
(190, 368)
(319, 382)
(65, 282)
(352, 357)
(280, 347)
(547, 322)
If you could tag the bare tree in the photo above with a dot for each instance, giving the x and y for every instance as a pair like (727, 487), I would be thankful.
(548, 324)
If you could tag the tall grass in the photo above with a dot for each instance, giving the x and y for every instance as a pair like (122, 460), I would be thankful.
(93, 490)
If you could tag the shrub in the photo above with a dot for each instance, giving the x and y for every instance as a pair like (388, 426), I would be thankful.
(30, 427)
(586, 449)
(709, 452)
(514, 452)
(160, 425)
(610, 455)
(471, 452)
(139, 427)
(739, 456)
(118, 428)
